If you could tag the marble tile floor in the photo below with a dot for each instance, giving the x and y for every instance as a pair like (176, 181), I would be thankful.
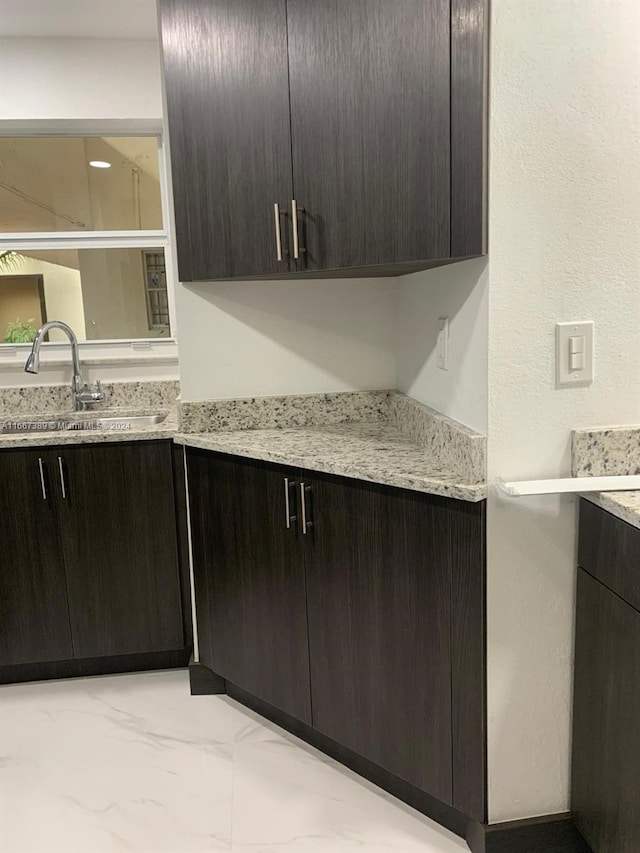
(133, 762)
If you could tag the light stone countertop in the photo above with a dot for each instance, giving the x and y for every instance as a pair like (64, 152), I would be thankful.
(376, 436)
(377, 452)
(612, 451)
(165, 430)
(624, 505)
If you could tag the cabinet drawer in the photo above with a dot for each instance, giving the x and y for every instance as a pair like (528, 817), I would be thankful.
(609, 549)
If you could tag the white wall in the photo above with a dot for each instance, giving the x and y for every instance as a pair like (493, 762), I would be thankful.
(44, 78)
(241, 339)
(459, 292)
(564, 213)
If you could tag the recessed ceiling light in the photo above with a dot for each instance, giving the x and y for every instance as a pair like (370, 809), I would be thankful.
(99, 164)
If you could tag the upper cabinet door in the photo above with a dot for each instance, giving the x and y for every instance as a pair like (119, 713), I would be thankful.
(370, 125)
(226, 77)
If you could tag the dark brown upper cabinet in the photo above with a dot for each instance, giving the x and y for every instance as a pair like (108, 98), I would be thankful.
(323, 138)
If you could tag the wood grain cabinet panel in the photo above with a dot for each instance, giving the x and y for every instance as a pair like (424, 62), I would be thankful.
(370, 130)
(118, 525)
(226, 77)
(370, 114)
(34, 611)
(605, 789)
(379, 597)
(249, 579)
(609, 549)
(364, 618)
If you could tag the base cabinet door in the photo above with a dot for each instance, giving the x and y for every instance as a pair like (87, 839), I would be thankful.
(249, 578)
(118, 526)
(34, 612)
(379, 594)
(605, 789)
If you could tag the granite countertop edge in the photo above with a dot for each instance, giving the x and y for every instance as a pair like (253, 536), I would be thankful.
(444, 484)
(623, 505)
(443, 487)
(165, 430)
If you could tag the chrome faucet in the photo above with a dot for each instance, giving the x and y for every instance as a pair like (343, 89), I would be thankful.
(81, 393)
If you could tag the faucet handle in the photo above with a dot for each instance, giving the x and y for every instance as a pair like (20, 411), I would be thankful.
(91, 395)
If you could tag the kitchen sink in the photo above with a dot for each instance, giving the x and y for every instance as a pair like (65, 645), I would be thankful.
(29, 426)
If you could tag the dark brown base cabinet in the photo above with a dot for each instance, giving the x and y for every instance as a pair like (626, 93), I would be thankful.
(605, 793)
(89, 566)
(368, 628)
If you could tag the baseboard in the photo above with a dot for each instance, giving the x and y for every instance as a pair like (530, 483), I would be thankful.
(438, 811)
(204, 681)
(82, 667)
(549, 834)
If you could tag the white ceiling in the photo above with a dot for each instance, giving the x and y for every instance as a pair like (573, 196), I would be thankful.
(107, 19)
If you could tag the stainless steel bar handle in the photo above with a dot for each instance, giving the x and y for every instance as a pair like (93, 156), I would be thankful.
(42, 483)
(276, 214)
(287, 508)
(63, 485)
(306, 523)
(294, 221)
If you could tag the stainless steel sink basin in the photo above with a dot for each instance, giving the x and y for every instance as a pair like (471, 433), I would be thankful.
(29, 426)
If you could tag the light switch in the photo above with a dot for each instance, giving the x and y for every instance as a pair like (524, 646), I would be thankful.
(576, 344)
(574, 353)
(576, 361)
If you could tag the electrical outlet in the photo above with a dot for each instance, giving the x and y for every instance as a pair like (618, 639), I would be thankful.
(442, 345)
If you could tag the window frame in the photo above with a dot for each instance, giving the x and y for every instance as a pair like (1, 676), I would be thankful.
(126, 348)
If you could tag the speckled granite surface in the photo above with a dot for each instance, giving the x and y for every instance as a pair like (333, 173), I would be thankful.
(614, 451)
(624, 505)
(459, 448)
(166, 429)
(296, 410)
(609, 452)
(41, 399)
(379, 436)
(376, 452)
(123, 399)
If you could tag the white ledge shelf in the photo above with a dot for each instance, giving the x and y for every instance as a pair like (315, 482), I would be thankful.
(568, 485)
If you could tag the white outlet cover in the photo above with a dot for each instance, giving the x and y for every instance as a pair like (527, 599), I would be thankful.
(565, 376)
(442, 344)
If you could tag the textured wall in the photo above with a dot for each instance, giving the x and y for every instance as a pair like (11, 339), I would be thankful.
(459, 292)
(564, 245)
(242, 339)
(42, 78)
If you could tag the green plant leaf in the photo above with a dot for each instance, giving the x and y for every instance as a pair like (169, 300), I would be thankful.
(20, 333)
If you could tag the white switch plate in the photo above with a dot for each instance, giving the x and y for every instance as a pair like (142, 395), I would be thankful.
(442, 345)
(574, 339)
